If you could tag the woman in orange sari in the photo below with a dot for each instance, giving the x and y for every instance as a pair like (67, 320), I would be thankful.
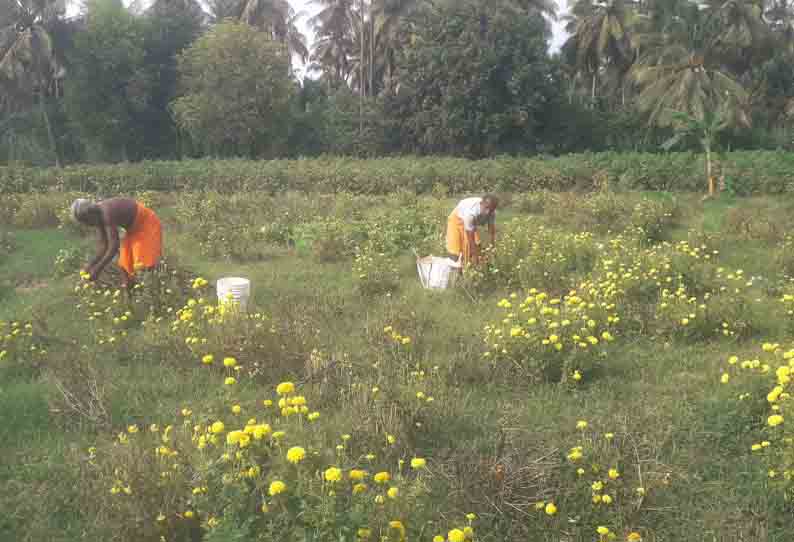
(463, 239)
(141, 247)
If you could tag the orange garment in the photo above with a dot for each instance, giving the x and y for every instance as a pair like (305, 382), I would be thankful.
(456, 237)
(142, 245)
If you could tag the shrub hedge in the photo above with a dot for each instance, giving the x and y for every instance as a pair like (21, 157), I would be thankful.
(746, 172)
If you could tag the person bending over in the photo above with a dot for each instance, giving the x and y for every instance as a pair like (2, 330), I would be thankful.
(142, 245)
(463, 239)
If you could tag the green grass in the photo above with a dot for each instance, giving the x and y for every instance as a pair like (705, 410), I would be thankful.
(662, 393)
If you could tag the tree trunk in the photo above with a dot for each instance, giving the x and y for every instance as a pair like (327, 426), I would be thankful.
(50, 136)
(371, 55)
(361, 83)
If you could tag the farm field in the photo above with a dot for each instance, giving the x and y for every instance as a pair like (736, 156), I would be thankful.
(618, 369)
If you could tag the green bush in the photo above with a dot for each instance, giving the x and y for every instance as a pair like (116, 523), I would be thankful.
(769, 172)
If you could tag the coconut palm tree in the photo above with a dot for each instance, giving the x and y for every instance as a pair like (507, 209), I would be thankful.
(277, 17)
(744, 38)
(30, 60)
(334, 44)
(601, 39)
(682, 70)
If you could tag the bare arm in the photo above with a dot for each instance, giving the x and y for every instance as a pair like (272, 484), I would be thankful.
(102, 248)
(475, 257)
(112, 243)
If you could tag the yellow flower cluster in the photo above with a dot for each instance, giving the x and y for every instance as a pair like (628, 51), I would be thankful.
(395, 337)
(17, 342)
(541, 333)
(277, 459)
(769, 379)
(605, 486)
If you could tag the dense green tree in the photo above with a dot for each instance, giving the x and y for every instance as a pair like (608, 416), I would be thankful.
(458, 96)
(236, 91)
(169, 27)
(109, 90)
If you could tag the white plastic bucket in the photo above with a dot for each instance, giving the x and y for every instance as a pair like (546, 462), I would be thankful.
(235, 289)
(437, 273)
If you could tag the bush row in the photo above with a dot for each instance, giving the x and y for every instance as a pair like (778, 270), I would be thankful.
(746, 172)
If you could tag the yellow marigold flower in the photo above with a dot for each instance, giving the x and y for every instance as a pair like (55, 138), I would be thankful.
(393, 492)
(359, 488)
(603, 531)
(456, 535)
(229, 362)
(188, 514)
(382, 477)
(364, 533)
(132, 429)
(295, 455)
(581, 424)
(379, 499)
(439, 538)
(634, 537)
(277, 487)
(575, 454)
(613, 474)
(774, 420)
(267, 403)
(234, 437)
(609, 436)
(357, 475)
(597, 485)
(577, 376)
(236, 409)
(313, 416)
(418, 463)
(551, 509)
(725, 378)
(230, 381)
(580, 471)
(775, 394)
(217, 427)
(640, 491)
(606, 499)
(470, 516)
(264, 508)
(208, 359)
(333, 474)
(213, 522)
(285, 388)
(261, 430)
(468, 532)
(540, 505)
